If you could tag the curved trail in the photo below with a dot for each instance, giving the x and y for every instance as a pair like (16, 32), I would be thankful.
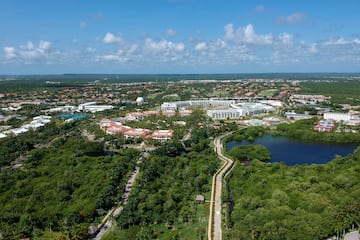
(215, 226)
(108, 221)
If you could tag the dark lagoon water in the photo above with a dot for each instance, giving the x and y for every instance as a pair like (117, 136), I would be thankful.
(293, 152)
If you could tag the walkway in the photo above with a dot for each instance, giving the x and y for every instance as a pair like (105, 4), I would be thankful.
(215, 226)
(109, 219)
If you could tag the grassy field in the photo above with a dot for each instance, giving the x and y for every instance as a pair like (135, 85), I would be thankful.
(268, 93)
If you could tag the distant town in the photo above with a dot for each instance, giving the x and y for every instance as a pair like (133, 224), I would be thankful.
(251, 102)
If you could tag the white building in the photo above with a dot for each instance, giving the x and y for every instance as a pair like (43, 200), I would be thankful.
(92, 107)
(198, 103)
(240, 110)
(37, 122)
(63, 109)
(226, 113)
(351, 118)
(337, 116)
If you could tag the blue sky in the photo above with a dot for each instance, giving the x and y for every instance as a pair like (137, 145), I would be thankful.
(178, 36)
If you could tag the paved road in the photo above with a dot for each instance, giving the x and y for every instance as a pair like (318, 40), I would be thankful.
(187, 135)
(352, 236)
(216, 232)
(114, 213)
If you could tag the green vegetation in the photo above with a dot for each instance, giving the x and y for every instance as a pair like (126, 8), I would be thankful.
(249, 134)
(14, 147)
(57, 180)
(250, 152)
(339, 91)
(274, 201)
(61, 187)
(269, 93)
(162, 204)
(303, 130)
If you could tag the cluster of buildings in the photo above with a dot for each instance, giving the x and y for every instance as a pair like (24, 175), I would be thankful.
(220, 108)
(139, 116)
(308, 99)
(84, 107)
(296, 116)
(351, 118)
(236, 111)
(37, 122)
(181, 105)
(113, 127)
(327, 124)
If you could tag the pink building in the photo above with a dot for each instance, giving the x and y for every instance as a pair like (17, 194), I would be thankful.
(169, 113)
(134, 116)
(325, 125)
(185, 112)
(162, 134)
(137, 133)
(150, 113)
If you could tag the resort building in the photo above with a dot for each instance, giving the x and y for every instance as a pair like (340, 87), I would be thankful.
(111, 127)
(185, 112)
(351, 118)
(150, 113)
(337, 116)
(308, 98)
(296, 116)
(95, 108)
(325, 125)
(85, 107)
(196, 103)
(63, 109)
(134, 116)
(37, 122)
(240, 110)
(162, 134)
(136, 133)
(169, 113)
(226, 113)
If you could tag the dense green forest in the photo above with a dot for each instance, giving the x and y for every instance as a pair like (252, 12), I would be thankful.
(274, 201)
(162, 204)
(62, 186)
(250, 152)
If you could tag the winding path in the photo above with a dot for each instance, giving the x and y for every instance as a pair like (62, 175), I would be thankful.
(108, 221)
(215, 226)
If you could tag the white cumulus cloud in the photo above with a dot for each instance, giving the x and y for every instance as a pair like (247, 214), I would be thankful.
(339, 41)
(201, 46)
(170, 32)
(163, 45)
(246, 35)
(285, 38)
(313, 49)
(44, 45)
(29, 52)
(110, 38)
(10, 52)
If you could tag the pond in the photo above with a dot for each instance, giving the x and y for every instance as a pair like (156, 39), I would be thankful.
(78, 116)
(293, 152)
